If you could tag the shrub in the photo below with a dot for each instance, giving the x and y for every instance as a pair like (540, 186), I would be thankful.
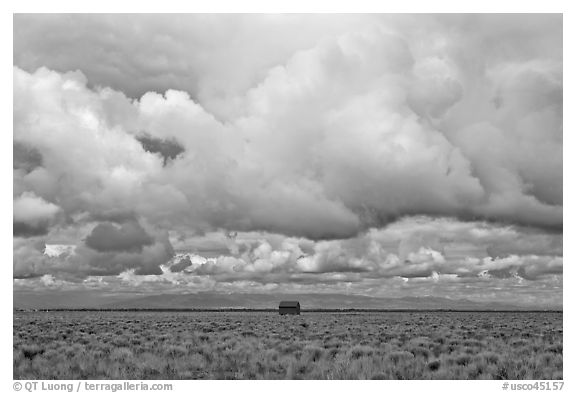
(555, 348)
(400, 356)
(420, 352)
(359, 351)
(121, 354)
(30, 351)
(463, 360)
(490, 357)
(434, 365)
(175, 351)
(312, 353)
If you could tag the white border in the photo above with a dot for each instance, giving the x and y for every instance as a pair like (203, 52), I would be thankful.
(302, 6)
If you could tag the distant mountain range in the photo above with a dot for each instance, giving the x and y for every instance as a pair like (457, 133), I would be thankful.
(215, 300)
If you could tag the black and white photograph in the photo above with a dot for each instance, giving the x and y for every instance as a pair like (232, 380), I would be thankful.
(287, 196)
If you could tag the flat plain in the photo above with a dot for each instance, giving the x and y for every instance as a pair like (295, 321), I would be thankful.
(264, 345)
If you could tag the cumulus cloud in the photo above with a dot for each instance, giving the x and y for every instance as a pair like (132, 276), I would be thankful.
(213, 58)
(180, 265)
(419, 248)
(330, 137)
(418, 256)
(129, 236)
(109, 249)
(372, 263)
(33, 215)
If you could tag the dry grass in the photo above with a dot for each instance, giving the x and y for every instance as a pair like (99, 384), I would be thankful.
(170, 345)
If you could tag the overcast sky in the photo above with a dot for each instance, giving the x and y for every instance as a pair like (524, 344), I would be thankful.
(385, 155)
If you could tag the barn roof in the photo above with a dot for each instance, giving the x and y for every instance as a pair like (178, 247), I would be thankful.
(289, 303)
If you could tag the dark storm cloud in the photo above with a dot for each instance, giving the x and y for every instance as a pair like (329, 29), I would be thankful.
(114, 215)
(128, 236)
(26, 157)
(114, 263)
(22, 229)
(133, 249)
(168, 149)
(180, 265)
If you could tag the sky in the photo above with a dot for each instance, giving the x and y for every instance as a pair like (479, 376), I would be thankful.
(367, 154)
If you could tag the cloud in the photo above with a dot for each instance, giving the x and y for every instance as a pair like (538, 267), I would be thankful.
(180, 265)
(356, 131)
(129, 236)
(111, 249)
(213, 58)
(33, 215)
(349, 149)
(26, 157)
(108, 249)
(415, 248)
(144, 262)
(168, 149)
(418, 256)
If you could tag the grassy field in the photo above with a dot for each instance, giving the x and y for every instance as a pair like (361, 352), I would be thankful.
(256, 345)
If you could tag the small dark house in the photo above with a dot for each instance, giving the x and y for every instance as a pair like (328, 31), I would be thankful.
(289, 307)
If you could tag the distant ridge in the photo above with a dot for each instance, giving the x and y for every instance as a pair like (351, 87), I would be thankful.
(257, 302)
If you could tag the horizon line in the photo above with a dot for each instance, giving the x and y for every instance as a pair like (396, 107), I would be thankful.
(242, 309)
